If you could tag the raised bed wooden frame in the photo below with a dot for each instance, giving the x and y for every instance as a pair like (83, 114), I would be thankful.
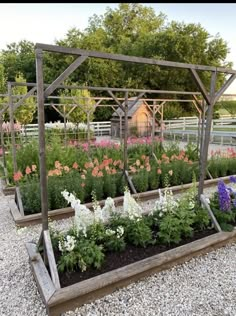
(22, 220)
(58, 300)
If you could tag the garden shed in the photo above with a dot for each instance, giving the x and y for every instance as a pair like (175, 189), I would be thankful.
(139, 120)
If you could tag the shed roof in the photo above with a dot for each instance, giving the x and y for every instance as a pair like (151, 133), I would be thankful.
(132, 108)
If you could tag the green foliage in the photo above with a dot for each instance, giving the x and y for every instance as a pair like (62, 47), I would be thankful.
(30, 195)
(132, 29)
(201, 219)
(140, 180)
(82, 99)
(172, 111)
(229, 106)
(138, 233)
(173, 227)
(25, 112)
(85, 254)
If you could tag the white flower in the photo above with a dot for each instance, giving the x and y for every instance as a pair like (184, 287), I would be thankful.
(131, 207)
(108, 209)
(70, 243)
(120, 231)
(166, 203)
(110, 232)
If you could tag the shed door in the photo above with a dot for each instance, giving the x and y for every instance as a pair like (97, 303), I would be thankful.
(142, 124)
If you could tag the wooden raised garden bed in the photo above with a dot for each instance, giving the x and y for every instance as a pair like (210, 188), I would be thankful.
(22, 220)
(59, 300)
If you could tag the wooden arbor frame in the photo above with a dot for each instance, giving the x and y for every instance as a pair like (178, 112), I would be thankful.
(209, 97)
(42, 94)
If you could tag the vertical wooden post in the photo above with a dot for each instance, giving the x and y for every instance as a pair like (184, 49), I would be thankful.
(153, 124)
(64, 119)
(121, 137)
(204, 153)
(13, 140)
(42, 155)
(202, 127)
(126, 132)
(2, 143)
(162, 115)
(88, 130)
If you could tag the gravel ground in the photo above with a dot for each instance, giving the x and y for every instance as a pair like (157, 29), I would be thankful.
(202, 286)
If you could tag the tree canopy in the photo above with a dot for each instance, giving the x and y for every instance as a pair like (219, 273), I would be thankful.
(130, 29)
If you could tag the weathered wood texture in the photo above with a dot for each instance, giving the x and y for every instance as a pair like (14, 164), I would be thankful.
(70, 297)
(51, 259)
(19, 201)
(42, 154)
(134, 59)
(41, 275)
(212, 216)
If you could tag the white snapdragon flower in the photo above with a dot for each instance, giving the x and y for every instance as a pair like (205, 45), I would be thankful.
(110, 232)
(108, 209)
(120, 231)
(166, 203)
(131, 207)
(70, 242)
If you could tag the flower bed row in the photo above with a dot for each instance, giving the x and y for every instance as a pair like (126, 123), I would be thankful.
(97, 235)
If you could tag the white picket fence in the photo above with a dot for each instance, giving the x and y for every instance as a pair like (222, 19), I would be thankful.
(99, 128)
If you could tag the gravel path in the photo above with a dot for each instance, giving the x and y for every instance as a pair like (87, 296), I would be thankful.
(203, 286)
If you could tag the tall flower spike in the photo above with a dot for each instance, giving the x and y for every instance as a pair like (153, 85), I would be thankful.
(224, 197)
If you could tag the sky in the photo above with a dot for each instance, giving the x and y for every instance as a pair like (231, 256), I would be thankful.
(44, 23)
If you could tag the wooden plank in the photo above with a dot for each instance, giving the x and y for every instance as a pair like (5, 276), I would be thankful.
(14, 211)
(51, 259)
(207, 130)
(69, 70)
(200, 85)
(42, 154)
(116, 100)
(211, 214)
(134, 59)
(41, 275)
(13, 140)
(86, 291)
(19, 201)
(106, 88)
(224, 87)
(130, 182)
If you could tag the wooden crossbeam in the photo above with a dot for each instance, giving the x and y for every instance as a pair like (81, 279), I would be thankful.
(134, 59)
(200, 85)
(64, 75)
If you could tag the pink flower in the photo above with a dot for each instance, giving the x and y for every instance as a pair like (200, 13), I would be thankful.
(137, 162)
(83, 176)
(148, 168)
(33, 167)
(100, 174)
(57, 164)
(17, 176)
(75, 165)
(28, 170)
(82, 184)
(66, 169)
(158, 171)
(95, 172)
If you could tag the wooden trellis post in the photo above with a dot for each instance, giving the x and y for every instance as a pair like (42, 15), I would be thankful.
(13, 140)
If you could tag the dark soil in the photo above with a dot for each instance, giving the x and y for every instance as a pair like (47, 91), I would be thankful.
(131, 254)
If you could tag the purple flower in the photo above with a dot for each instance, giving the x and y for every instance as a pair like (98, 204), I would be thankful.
(224, 197)
(232, 179)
